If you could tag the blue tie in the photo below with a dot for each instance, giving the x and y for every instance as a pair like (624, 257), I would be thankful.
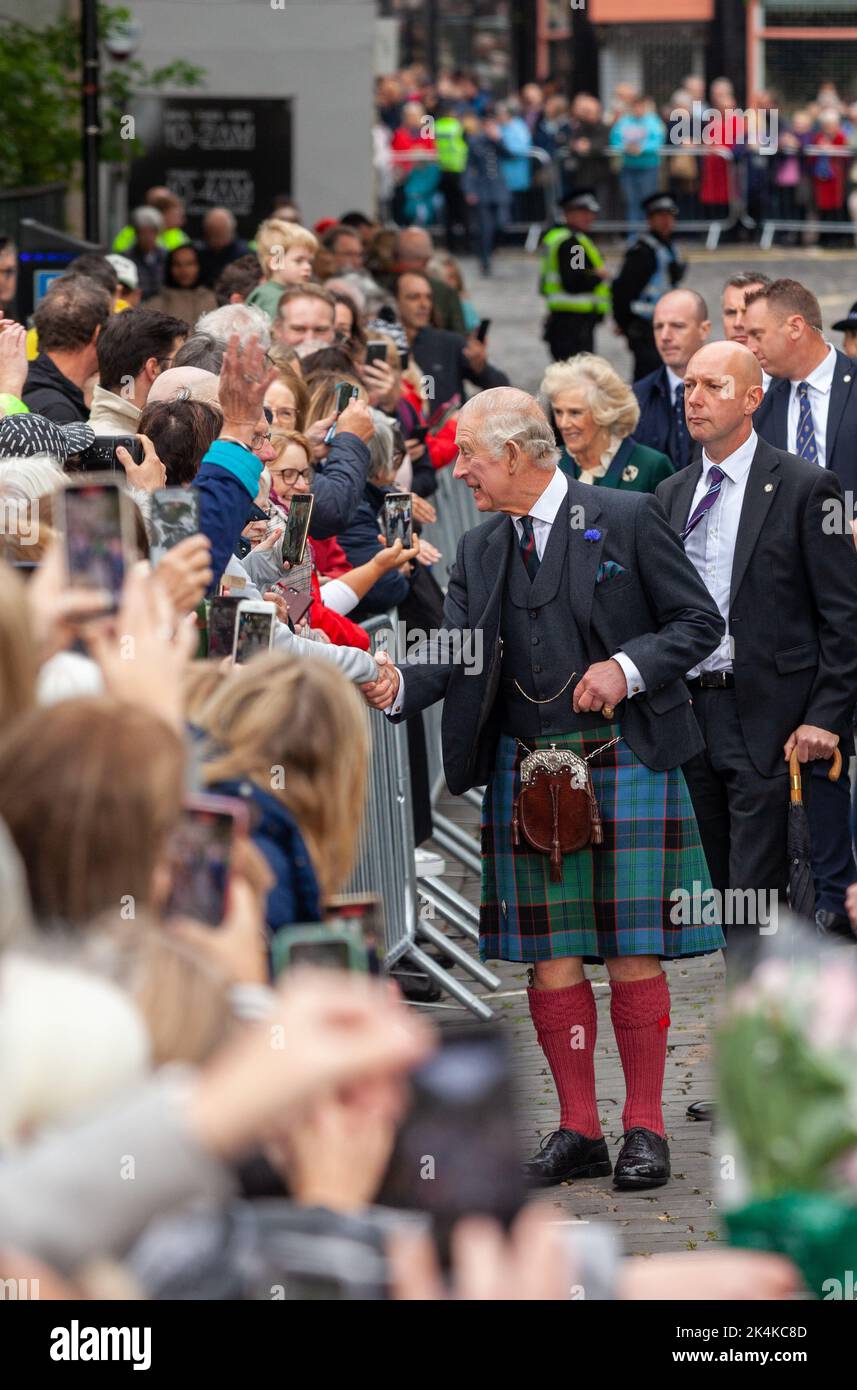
(805, 443)
(704, 505)
(527, 546)
(681, 454)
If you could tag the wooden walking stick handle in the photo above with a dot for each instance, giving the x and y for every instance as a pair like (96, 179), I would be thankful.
(795, 792)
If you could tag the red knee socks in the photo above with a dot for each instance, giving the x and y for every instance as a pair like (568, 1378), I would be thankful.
(566, 1022)
(640, 1013)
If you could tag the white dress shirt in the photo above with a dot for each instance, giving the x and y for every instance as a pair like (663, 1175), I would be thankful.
(711, 543)
(543, 513)
(820, 383)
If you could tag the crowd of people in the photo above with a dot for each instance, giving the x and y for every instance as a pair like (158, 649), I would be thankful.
(446, 150)
(346, 364)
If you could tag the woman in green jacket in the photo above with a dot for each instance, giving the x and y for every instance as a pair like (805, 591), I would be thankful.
(595, 414)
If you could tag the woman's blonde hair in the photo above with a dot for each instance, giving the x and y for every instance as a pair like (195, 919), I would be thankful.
(298, 730)
(274, 233)
(18, 666)
(322, 401)
(288, 376)
(90, 793)
(183, 999)
(281, 439)
(612, 403)
(201, 681)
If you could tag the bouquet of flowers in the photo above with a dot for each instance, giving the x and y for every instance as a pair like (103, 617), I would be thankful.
(787, 1067)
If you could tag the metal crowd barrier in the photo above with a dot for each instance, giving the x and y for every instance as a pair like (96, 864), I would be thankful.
(386, 865)
(814, 226)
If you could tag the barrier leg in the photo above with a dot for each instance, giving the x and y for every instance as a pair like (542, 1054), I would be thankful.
(452, 905)
(449, 983)
(453, 950)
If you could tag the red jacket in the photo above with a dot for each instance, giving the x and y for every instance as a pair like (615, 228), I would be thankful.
(828, 192)
(441, 446)
(330, 559)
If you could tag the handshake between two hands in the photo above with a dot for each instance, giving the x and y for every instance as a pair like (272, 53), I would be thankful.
(381, 693)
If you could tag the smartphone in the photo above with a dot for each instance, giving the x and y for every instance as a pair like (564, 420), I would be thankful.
(398, 518)
(95, 519)
(175, 515)
(102, 453)
(482, 331)
(462, 1116)
(222, 617)
(318, 946)
(254, 630)
(200, 856)
(297, 529)
(345, 392)
(362, 913)
(298, 601)
(375, 352)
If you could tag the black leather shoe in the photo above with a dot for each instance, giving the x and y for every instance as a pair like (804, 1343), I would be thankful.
(701, 1110)
(566, 1154)
(644, 1160)
(833, 924)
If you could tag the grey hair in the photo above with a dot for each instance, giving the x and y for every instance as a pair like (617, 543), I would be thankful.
(525, 423)
(244, 319)
(380, 446)
(32, 477)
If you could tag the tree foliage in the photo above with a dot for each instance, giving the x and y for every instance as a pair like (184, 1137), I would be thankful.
(40, 98)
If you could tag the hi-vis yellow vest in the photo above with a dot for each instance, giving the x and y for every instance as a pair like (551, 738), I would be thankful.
(559, 301)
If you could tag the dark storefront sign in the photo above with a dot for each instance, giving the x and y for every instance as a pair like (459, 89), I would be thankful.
(215, 152)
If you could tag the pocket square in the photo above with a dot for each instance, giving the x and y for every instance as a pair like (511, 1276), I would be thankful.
(608, 569)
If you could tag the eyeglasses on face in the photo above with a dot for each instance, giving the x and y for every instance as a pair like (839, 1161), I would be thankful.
(283, 412)
(290, 475)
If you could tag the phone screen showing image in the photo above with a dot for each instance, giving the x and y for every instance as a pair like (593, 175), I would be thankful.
(330, 955)
(252, 635)
(200, 854)
(398, 519)
(175, 516)
(94, 538)
(222, 616)
(297, 530)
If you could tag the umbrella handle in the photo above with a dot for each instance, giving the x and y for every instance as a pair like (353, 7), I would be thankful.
(796, 790)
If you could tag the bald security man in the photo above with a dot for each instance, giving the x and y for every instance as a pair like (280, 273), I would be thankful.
(756, 523)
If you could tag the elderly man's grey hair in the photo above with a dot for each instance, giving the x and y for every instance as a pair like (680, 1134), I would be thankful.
(503, 414)
(244, 319)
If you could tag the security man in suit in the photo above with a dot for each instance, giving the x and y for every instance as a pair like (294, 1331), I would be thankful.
(574, 279)
(651, 267)
(810, 409)
(587, 610)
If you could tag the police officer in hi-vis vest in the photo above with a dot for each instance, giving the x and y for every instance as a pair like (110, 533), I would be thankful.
(574, 279)
(452, 152)
(651, 267)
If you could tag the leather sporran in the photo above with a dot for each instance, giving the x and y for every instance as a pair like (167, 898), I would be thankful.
(555, 810)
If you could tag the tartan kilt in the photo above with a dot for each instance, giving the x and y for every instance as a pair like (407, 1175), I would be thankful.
(614, 898)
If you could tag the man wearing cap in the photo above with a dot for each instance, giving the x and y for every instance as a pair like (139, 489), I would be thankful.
(574, 279)
(651, 267)
(848, 326)
(129, 282)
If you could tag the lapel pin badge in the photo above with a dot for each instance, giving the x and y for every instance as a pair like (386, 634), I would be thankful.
(846, 378)
(592, 535)
(629, 473)
(769, 487)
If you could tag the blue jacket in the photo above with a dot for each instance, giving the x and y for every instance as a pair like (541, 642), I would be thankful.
(338, 486)
(295, 896)
(654, 134)
(227, 482)
(655, 426)
(517, 168)
(360, 543)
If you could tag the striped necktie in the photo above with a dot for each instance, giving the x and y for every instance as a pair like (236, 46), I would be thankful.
(527, 546)
(806, 447)
(704, 505)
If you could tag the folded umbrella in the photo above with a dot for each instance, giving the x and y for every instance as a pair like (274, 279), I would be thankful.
(801, 890)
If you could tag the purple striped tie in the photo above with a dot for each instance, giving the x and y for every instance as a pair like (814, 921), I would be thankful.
(704, 505)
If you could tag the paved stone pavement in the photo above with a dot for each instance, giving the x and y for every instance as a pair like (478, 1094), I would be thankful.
(683, 1214)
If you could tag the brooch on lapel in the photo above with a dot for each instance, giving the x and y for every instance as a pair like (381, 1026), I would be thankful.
(592, 535)
(769, 487)
(630, 472)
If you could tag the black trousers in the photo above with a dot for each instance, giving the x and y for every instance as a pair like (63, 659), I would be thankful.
(742, 816)
(456, 214)
(829, 814)
(641, 341)
(567, 334)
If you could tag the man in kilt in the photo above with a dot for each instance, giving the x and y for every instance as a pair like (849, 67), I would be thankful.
(589, 614)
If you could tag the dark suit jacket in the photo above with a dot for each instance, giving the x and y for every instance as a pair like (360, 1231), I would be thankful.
(654, 427)
(440, 356)
(657, 611)
(793, 601)
(771, 420)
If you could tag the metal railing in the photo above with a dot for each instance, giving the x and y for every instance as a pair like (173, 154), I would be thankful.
(811, 226)
(45, 203)
(386, 865)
